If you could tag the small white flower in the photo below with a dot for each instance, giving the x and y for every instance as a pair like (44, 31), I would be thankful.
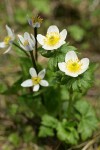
(72, 65)
(7, 43)
(53, 39)
(36, 80)
(27, 42)
(35, 22)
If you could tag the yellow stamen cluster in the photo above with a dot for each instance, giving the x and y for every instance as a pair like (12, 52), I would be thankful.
(37, 19)
(73, 66)
(36, 80)
(52, 38)
(7, 40)
(26, 43)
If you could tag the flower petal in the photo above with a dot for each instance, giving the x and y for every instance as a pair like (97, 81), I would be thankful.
(63, 34)
(21, 45)
(27, 83)
(2, 45)
(36, 87)
(71, 55)
(40, 39)
(10, 32)
(32, 72)
(62, 66)
(33, 39)
(85, 65)
(71, 74)
(41, 74)
(44, 83)
(26, 36)
(21, 38)
(53, 28)
(9, 48)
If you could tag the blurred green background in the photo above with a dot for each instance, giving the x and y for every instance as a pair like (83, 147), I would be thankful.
(81, 18)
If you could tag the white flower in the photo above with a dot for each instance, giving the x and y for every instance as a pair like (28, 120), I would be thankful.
(53, 38)
(36, 79)
(72, 65)
(27, 42)
(35, 22)
(7, 43)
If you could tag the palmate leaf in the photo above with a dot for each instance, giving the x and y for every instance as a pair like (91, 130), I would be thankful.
(87, 119)
(45, 131)
(49, 121)
(67, 134)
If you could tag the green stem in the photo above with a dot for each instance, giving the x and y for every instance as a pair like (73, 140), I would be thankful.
(35, 35)
(21, 49)
(33, 61)
(69, 111)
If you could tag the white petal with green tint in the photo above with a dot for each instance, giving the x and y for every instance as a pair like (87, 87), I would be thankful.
(85, 65)
(44, 83)
(71, 55)
(10, 32)
(36, 87)
(63, 35)
(27, 83)
(53, 28)
(62, 66)
(41, 74)
(33, 72)
(40, 39)
(21, 38)
(9, 48)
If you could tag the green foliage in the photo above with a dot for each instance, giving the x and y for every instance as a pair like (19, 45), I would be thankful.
(14, 139)
(41, 5)
(67, 133)
(25, 68)
(87, 119)
(76, 32)
(20, 15)
(28, 135)
(49, 121)
(3, 88)
(45, 132)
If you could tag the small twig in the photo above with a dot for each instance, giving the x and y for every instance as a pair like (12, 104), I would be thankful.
(78, 146)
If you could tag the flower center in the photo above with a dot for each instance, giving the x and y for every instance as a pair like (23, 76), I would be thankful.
(36, 80)
(37, 19)
(26, 43)
(7, 40)
(73, 66)
(52, 38)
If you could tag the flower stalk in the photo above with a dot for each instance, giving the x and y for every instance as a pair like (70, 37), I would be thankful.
(33, 61)
(69, 111)
(35, 35)
(21, 49)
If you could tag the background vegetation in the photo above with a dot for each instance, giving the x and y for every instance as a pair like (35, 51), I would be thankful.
(81, 19)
